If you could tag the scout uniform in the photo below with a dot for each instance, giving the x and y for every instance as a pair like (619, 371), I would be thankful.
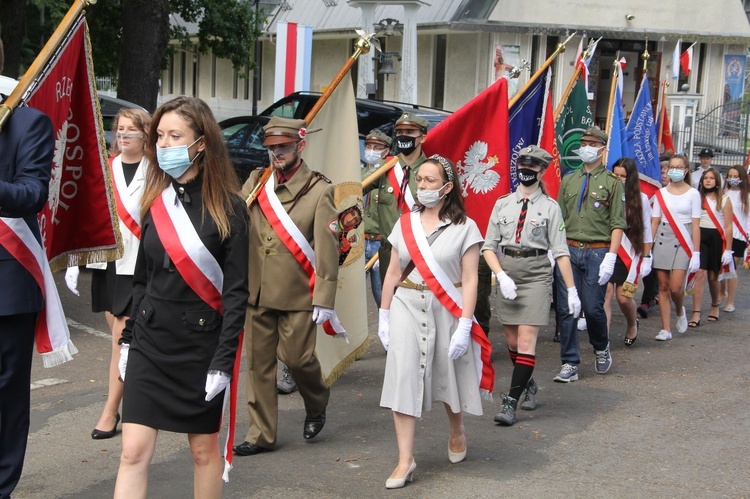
(279, 317)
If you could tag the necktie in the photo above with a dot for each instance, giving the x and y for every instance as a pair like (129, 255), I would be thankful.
(584, 190)
(404, 186)
(521, 219)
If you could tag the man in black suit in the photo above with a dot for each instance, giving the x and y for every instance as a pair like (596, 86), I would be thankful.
(26, 148)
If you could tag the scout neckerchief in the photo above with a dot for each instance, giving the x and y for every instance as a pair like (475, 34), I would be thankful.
(725, 271)
(448, 295)
(203, 274)
(289, 234)
(396, 179)
(680, 231)
(51, 332)
(632, 261)
(128, 204)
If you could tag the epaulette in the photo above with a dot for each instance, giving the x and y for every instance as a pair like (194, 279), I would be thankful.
(611, 174)
(321, 176)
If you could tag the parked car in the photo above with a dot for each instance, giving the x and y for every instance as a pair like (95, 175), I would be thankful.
(244, 138)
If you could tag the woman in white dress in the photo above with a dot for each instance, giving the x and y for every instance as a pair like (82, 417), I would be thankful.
(737, 187)
(430, 353)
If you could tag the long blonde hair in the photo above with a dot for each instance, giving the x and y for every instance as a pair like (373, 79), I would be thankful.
(219, 178)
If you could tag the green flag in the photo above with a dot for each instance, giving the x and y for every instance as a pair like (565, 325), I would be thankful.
(574, 119)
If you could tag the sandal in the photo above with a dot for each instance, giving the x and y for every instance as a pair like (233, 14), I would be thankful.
(714, 318)
(694, 323)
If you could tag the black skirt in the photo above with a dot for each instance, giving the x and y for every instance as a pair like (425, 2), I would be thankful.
(711, 249)
(620, 275)
(738, 246)
(111, 292)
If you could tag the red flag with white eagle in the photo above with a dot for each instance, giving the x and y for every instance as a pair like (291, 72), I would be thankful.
(78, 221)
(476, 139)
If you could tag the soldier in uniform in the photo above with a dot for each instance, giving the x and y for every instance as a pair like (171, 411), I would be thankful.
(592, 201)
(283, 313)
(523, 225)
(705, 156)
(377, 147)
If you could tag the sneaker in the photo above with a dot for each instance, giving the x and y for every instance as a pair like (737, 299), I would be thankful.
(603, 360)
(507, 414)
(568, 373)
(529, 396)
(285, 384)
(663, 335)
(682, 322)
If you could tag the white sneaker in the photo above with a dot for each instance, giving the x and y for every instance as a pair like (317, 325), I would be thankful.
(663, 335)
(682, 322)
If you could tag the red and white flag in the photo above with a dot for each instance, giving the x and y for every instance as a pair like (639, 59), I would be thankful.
(686, 60)
(78, 223)
(584, 63)
(676, 60)
(293, 59)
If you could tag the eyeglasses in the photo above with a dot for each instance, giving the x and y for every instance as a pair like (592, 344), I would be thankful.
(374, 147)
(121, 135)
(278, 150)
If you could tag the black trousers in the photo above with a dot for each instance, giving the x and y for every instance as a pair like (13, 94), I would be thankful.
(650, 288)
(16, 348)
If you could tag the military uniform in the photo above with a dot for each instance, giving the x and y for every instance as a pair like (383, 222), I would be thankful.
(279, 319)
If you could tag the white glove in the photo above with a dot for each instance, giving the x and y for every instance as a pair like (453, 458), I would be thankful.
(607, 268)
(695, 262)
(726, 257)
(507, 286)
(384, 327)
(71, 279)
(460, 339)
(321, 314)
(376, 265)
(551, 259)
(216, 382)
(574, 303)
(122, 364)
(646, 264)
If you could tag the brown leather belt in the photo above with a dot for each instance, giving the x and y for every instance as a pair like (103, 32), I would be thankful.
(373, 237)
(593, 245)
(419, 287)
(523, 253)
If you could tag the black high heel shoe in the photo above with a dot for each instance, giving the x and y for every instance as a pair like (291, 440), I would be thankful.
(102, 435)
(629, 341)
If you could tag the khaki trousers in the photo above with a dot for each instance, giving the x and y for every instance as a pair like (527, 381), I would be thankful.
(290, 336)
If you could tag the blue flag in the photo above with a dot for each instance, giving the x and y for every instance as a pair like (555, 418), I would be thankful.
(618, 138)
(641, 133)
(525, 123)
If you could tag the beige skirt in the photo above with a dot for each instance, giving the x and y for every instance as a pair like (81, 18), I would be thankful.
(667, 250)
(533, 278)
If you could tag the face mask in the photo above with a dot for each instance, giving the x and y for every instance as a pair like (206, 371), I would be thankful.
(675, 175)
(712, 189)
(406, 144)
(588, 154)
(175, 161)
(527, 176)
(734, 182)
(430, 198)
(372, 157)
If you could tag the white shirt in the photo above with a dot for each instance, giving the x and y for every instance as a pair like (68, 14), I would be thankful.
(706, 221)
(647, 236)
(683, 207)
(742, 217)
(697, 174)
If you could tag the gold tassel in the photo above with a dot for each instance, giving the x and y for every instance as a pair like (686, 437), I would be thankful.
(629, 289)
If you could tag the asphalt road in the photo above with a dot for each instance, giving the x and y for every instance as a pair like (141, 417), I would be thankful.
(670, 419)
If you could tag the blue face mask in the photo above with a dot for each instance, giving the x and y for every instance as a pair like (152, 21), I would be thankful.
(175, 161)
(676, 175)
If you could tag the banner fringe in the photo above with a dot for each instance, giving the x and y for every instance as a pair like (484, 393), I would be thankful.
(57, 357)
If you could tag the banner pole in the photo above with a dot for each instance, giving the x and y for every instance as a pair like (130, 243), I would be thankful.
(612, 90)
(566, 94)
(36, 68)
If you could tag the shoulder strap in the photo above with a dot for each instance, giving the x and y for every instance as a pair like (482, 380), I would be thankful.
(410, 266)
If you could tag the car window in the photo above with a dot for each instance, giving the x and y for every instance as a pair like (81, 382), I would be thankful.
(235, 135)
(286, 110)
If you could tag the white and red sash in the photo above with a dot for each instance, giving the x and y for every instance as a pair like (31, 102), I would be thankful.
(297, 244)
(741, 231)
(448, 295)
(200, 270)
(628, 255)
(128, 208)
(395, 177)
(725, 271)
(680, 231)
(51, 332)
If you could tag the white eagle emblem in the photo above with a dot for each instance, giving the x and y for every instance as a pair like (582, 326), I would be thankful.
(61, 143)
(475, 174)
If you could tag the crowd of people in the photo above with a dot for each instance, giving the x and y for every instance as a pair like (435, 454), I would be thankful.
(207, 258)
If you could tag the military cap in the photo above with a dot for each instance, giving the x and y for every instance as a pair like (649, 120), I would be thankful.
(534, 155)
(379, 136)
(280, 130)
(597, 133)
(706, 152)
(412, 120)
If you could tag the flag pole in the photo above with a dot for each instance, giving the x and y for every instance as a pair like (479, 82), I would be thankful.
(612, 90)
(36, 68)
(362, 46)
(380, 171)
(566, 94)
(662, 101)
(559, 49)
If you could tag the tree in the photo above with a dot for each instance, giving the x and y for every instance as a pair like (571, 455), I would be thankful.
(13, 22)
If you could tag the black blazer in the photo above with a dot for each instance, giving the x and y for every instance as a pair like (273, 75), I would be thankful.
(27, 144)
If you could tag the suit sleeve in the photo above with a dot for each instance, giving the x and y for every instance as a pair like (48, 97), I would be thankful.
(25, 194)
(326, 251)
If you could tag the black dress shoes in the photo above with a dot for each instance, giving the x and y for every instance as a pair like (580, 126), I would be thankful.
(103, 435)
(314, 425)
(248, 449)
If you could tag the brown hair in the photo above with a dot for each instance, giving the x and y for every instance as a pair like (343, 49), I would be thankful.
(633, 203)
(686, 163)
(744, 186)
(717, 181)
(141, 120)
(453, 208)
(220, 181)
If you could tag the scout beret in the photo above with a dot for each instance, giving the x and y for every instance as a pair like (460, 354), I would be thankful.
(706, 152)
(412, 120)
(534, 155)
(280, 130)
(379, 136)
(597, 133)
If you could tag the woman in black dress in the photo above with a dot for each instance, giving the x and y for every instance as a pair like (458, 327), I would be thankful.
(189, 297)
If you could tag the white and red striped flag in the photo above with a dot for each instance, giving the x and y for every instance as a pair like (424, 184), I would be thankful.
(293, 59)
(686, 60)
(676, 60)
